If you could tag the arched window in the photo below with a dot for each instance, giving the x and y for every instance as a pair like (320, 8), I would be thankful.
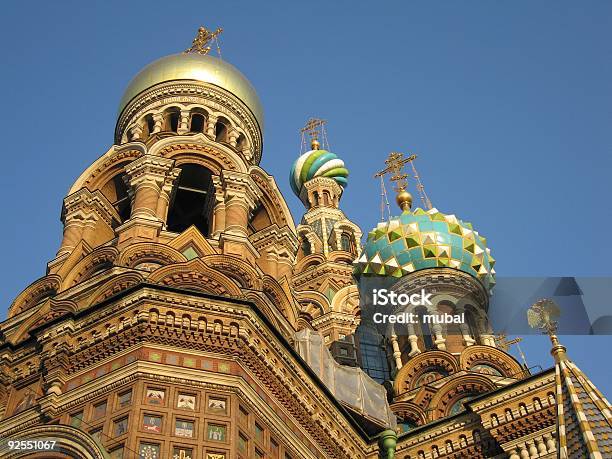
(306, 247)
(241, 142)
(171, 119)
(372, 352)
(221, 130)
(326, 198)
(115, 191)
(345, 242)
(197, 123)
(470, 318)
(424, 328)
(192, 203)
(149, 125)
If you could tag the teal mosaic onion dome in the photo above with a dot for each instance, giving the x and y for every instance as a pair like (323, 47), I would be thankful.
(425, 239)
(317, 163)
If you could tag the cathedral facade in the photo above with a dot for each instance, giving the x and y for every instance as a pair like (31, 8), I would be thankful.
(187, 316)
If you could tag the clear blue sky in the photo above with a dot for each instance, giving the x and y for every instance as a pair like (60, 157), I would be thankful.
(507, 103)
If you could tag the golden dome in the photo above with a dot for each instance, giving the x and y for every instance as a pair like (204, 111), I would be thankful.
(198, 67)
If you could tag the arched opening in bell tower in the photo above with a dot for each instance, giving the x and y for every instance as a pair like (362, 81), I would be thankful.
(198, 121)
(221, 130)
(171, 119)
(115, 190)
(192, 203)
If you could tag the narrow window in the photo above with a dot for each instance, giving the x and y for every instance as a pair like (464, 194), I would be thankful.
(192, 203)
(197, 123)
(221, 130)
(345, 242)
(171, 119)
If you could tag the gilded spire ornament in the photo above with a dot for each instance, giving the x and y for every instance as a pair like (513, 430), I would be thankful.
(543, 314)
(395, 166)
(315, 127)
(201, 41)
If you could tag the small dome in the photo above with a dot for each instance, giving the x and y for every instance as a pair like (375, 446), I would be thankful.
(425, 239)
(195, 67)
(317, 163)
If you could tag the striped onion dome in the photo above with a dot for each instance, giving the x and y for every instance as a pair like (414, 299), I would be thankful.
(422, 239)
(317, 163)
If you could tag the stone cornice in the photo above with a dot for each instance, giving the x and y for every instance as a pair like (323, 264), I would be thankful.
(192, 92)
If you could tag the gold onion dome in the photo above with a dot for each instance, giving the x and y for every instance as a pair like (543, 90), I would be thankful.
(195, 67)
(423, 239)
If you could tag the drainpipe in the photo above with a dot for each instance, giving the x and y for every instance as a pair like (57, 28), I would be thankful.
(387, 442)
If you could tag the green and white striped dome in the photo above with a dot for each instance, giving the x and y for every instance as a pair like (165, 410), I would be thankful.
(317, 163)
(425, 239)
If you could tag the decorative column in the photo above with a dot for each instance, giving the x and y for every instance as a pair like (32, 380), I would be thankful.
(136, 132)
(485, 331)
(87, 217)
(550, 443)
(219, 208)
(146, 176)
(233, 137)
(158, 121)
(414, 342)
(211, 123)
(183, 126)
(166, 194)
(440, 341)
(240, 199)
(150, 179)
(397, 355)
(465, 330)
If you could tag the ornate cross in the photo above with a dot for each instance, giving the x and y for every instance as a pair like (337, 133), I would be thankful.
(395, 166)
(314, 127)
(201, 41)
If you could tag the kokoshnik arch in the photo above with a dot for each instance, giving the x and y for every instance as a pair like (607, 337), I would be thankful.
(187, 316)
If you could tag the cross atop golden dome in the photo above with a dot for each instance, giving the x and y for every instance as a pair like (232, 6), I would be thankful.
(202, 39)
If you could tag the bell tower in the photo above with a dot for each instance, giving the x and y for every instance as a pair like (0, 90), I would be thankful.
(328, 244)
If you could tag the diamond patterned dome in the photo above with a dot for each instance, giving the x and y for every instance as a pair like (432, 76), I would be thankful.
(425, 239)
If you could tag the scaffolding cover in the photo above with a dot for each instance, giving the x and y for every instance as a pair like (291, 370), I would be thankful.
(350, 385)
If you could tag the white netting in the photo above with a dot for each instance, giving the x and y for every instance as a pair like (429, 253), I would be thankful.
(349, 385)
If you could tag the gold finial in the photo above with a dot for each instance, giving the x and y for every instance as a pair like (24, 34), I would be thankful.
(543, 314)
(395, 166)
(201, 41)
(314, 127)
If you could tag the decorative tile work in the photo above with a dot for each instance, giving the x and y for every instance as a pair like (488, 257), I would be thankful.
(584, 418)
(425, 239)
(149, 451)
(216, 432)
(186, 402)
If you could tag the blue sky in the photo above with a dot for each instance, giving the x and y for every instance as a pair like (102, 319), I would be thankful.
(508, 105)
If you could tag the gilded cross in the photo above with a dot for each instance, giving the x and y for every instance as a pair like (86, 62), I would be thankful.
(312, 127)
(202, 39)
(395, 166)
